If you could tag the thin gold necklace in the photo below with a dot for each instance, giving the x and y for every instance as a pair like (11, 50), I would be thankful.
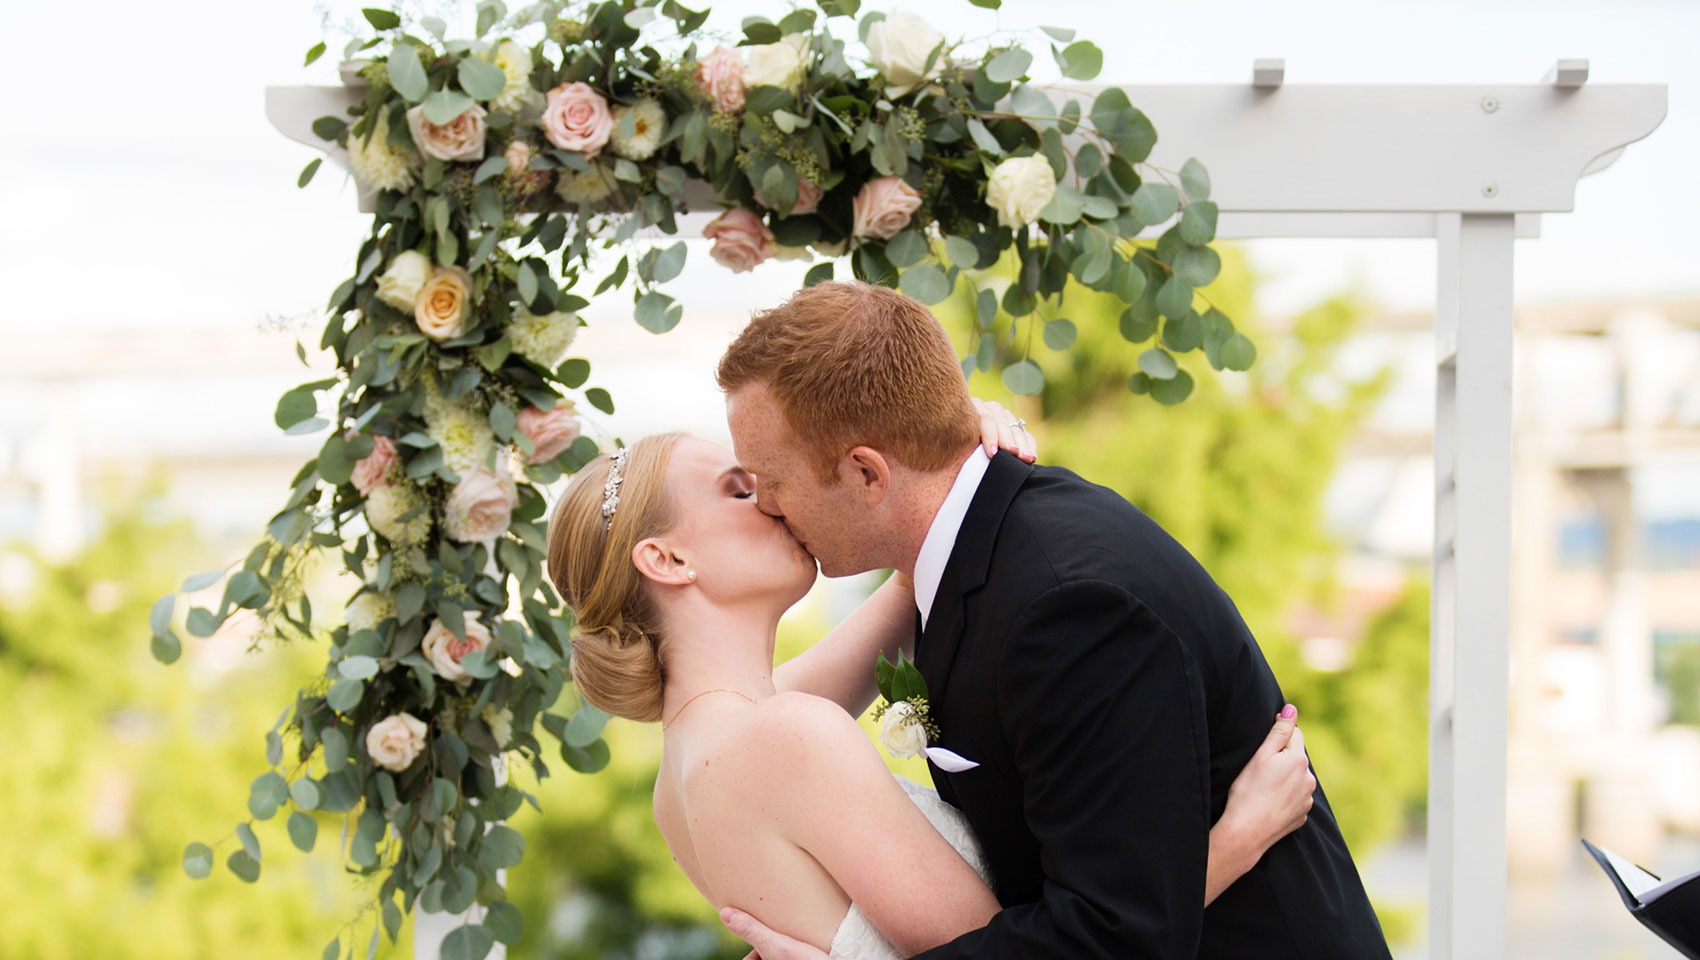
(704, 694)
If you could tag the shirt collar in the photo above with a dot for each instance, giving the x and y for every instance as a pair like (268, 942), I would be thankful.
(947, 523)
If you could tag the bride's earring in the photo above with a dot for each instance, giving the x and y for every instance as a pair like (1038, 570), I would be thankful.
(690, 574)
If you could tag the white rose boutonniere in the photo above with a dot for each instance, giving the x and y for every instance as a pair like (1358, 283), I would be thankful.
(907, 719)
(903, 732)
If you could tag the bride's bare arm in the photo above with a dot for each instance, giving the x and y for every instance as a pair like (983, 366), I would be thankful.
(827, 791)
(841, 666)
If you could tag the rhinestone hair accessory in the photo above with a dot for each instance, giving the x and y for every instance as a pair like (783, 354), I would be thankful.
(611, 488)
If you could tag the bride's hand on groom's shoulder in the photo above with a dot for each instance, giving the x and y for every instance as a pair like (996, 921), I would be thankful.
(1000, 428)
(1272, 796)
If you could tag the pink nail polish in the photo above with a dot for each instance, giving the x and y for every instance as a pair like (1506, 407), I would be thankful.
(1289, 711)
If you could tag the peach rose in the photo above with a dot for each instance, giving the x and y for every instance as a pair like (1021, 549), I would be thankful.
(740, 238)
(480, 506)
(441, 306)
(883, 207)
(808, 198)
(445, 651)
(460, 139)
(518, 156)
(551, 431)
(394, 741)
(576, 117)
(373, 470)
(720, 76)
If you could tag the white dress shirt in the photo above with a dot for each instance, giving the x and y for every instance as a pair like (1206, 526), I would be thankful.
(947, 523)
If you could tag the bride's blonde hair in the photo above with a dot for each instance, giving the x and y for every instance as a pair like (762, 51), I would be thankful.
(617, 655)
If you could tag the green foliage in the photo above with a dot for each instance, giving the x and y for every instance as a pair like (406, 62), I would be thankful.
(126, 758)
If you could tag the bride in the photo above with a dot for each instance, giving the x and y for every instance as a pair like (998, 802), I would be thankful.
(770, 796)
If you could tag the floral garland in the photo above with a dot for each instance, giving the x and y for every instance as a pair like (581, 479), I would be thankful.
(499, 169)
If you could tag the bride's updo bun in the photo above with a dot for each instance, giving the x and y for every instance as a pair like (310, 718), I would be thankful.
(617, 658)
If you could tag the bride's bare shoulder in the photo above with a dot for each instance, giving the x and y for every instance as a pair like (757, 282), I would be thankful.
(788, 735)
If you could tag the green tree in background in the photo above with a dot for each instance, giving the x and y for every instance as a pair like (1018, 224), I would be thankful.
(114, 761)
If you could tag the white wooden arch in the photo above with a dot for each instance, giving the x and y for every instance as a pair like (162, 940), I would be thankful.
(1473, 166)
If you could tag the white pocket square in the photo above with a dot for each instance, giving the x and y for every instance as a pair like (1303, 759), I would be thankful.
(949, 762)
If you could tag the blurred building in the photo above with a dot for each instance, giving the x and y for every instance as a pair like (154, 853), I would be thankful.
(1605, 606)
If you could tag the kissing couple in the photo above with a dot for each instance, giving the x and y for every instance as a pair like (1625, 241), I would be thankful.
(1121, 776)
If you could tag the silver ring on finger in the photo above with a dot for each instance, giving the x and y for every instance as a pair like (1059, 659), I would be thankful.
(1019, 424)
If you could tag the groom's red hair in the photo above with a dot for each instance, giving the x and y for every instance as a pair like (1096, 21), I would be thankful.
(852, 364)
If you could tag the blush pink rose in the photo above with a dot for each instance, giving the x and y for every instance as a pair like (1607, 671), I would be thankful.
(373, 470)
(720, 76)
(808, 198)
(883, 207)
(551, 431)
(460, 139)
(576, 117)
(480, 506)
(740, 238)
(445, 651)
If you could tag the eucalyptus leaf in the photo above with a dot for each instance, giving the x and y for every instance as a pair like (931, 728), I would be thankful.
(1024, 378)
(1060, 334)
(906, 249)
(469, 942)
(443, 106)
(303, 831)
(1238, 352)
(1173, 390)
(481, 79)
(1009, 65)
(407, 74)
(1157, 363)
(197, 860)
(1195, 180)
(926, 283)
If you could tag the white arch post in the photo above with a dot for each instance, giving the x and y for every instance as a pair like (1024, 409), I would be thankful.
(1472, 166)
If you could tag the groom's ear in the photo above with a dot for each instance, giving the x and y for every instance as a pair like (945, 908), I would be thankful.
(870, 472)
(660, 563)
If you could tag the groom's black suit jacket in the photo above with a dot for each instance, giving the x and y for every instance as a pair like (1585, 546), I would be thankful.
(1110, 692)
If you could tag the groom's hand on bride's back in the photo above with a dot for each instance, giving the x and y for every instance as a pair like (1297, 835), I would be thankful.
(768, 944)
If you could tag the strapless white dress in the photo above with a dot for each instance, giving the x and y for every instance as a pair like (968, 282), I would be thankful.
(857, 938)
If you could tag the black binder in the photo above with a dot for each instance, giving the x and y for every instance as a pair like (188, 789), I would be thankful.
(1669, 908)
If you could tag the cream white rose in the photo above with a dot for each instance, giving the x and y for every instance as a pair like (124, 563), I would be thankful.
(480, 506)
(400, 284)
(444, 651)
(1019, 188)
(776, 64)
(395, 741)
(898, 47)
(902, 732)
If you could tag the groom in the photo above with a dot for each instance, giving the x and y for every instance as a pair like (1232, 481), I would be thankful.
(1106, 687)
